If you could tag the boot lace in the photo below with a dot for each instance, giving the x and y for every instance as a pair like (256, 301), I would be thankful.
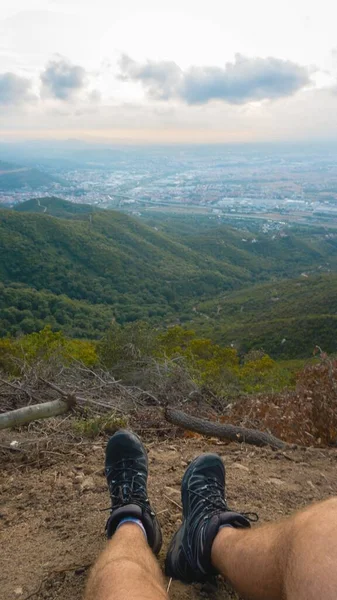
(211, 496)
(127, 485)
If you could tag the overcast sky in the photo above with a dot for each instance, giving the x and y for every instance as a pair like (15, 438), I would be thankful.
(177, 70)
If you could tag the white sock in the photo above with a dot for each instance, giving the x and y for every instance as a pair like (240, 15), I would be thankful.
(132, 520)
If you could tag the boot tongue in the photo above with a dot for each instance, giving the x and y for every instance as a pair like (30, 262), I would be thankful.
(234, 519)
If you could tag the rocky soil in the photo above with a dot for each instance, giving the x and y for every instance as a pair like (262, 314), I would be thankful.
(52, 511)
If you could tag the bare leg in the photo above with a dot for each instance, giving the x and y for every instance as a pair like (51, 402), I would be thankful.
(295, 559)
(127, 569)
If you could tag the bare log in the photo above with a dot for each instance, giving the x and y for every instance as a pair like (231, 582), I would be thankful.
(21, 416)
(227, 432)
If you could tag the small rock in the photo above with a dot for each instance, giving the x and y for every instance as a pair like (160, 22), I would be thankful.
(87, 484)
(275, 481)
(170, 490)
(18, 591)
(293, 487)
(87, 470)
(287, 486)
(240, 466)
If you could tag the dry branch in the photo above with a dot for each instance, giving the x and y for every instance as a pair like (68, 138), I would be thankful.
(18, 388)
(21, 416)
(227, 432)
(53, 408)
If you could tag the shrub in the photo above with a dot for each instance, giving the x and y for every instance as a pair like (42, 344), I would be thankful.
(8, 353)
(45, 346)
(95, 426)
(306, 416)
(208, 363)
(123, 345)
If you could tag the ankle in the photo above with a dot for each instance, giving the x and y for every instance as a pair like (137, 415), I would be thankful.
(223, 542)
(129, 529)
(132, 521)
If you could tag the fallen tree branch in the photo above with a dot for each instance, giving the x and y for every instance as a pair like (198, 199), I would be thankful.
(80, 399)
(19, 389)
(227, 432)
(21, 416)
(55, 387)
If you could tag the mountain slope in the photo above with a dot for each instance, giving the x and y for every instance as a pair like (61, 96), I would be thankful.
(25, 310)
(282, 252)
(285, 318)
(56, 207)
(108, 258)
(14, 177)
(282, 255)
(116, 267)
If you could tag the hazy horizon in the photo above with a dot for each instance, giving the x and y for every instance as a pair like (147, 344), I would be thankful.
(181, 72)
(77, 142)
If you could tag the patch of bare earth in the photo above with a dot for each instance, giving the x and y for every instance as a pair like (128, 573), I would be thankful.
(52, 514)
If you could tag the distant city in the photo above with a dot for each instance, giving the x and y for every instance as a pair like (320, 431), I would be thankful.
(282, 184)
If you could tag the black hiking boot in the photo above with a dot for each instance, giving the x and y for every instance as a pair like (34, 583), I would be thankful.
(126, 469)
(204, 511)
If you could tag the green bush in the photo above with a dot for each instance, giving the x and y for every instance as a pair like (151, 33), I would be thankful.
(126, 344)
(95, 426)
(45, 346)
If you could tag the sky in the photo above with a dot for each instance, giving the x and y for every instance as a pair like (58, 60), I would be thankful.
(169, 71)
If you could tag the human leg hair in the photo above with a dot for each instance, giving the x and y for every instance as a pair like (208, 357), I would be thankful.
(126, 569)
(295, 559)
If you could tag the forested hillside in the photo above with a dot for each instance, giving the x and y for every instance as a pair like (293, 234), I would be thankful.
(56, 207)
(108, 257)
(13, 177)
(286, 318)
(282, 252)
(78, 268)
(25, 310)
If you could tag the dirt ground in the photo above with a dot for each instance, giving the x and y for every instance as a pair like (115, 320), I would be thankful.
(52, 515)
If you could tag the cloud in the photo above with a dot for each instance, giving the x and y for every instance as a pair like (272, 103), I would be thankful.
(14, 89)
(161, 79)
(239, 82)
(94, 97)
(62, 80)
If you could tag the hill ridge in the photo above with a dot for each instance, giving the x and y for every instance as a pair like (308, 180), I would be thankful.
(129, 270)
